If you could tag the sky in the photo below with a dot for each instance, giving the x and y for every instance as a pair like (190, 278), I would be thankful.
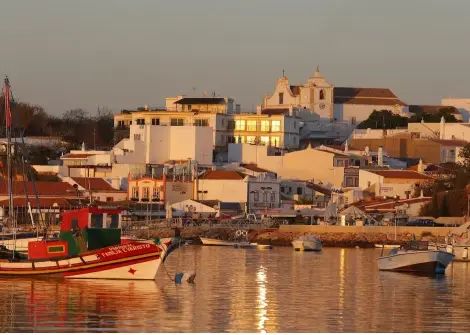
(64, 54)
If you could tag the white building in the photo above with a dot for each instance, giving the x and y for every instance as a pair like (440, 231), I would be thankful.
(157, 144)
(462, 104)
(321, 98)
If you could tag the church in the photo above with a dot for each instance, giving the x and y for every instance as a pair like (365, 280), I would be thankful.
(339, 104)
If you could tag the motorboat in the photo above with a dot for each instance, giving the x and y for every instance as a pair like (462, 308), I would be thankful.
(387, 246)
(307, 243)
(416, 257)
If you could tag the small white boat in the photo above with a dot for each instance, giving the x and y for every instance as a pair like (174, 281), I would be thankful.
(307, 243)
(216, 242)
(461, 252)
(387, 246)
(416, 257)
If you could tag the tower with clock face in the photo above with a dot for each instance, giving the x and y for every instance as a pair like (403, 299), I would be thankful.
(320, 97)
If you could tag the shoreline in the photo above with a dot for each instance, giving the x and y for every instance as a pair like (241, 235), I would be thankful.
(331, 236)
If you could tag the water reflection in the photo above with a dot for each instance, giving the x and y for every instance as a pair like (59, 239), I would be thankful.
(262, 301)
(247, 291)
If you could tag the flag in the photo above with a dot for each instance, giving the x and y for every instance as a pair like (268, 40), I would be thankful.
(7, 95)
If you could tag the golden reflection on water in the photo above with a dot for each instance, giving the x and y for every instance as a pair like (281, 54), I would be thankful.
(247, 291)
(262, 302)
(342, 261)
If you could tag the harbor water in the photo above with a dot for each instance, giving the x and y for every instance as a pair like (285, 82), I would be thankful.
(237, 290)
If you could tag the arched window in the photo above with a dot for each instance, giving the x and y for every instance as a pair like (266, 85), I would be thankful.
(322, 95)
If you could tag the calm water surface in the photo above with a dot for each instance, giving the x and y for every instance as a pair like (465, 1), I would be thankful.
(276, 290)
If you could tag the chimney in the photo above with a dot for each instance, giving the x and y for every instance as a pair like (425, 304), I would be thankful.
(442, 128)
(380, 157)
(420, 166)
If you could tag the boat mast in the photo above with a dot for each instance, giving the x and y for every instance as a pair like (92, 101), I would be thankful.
(7, 96)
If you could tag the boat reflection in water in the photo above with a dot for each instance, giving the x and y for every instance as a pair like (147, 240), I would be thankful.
(277, 291)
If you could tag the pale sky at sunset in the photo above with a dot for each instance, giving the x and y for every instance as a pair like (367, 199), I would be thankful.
(122, 54)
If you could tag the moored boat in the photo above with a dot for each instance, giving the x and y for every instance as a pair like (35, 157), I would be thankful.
(387, 246)
(307, 243)
(416, 257)
(216, 242)
(459, 243)
(89, 246)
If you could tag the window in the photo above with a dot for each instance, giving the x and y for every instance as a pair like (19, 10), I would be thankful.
(264, 140)
(156, 193)
(251, 139)
(201, 122)
(140, 121)
(240, 124)
(276, 125)
(96, 221)
(322, 95)
(241, 139)
(282, 189)
(353, 120)
(231, 125)
(273, 197)
(145, 193)
(55, 249)
(265, 125)
(299, 190)
(109, 199)
(275, 141)
(265, 197)
(251, 125)
(135, 192)
(281, 98)
(190, 107)
(155, 122)
(176, 122)
(136, 137)
(256, 196)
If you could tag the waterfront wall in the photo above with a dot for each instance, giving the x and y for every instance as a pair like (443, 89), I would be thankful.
(331, 236)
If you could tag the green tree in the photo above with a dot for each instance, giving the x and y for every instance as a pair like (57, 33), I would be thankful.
(383, 119)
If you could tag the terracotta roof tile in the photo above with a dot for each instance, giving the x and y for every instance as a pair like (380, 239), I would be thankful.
(94, 184)
(223, 175)
(400, 174)
(43, 188)
(366, 96)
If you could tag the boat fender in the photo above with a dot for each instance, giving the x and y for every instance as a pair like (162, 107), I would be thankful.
(182, 277)
(244, 233)
(238, 233)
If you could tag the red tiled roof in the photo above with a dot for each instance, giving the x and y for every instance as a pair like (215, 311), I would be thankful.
(400, 174)
(456, 143)
(387, 204)
(94, 184)
(366, 96)
(275, 111)
(76, 156)
(43, 202)
(362, 92)
(43, 188)
(223, 175)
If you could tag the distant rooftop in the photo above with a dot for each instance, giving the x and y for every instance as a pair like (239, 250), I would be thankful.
(200, 101)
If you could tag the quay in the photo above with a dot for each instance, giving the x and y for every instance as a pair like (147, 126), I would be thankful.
(331, 236)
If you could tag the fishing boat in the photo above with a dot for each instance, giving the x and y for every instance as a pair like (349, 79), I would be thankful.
(416, 257)
(307, 242)
(89, 246)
